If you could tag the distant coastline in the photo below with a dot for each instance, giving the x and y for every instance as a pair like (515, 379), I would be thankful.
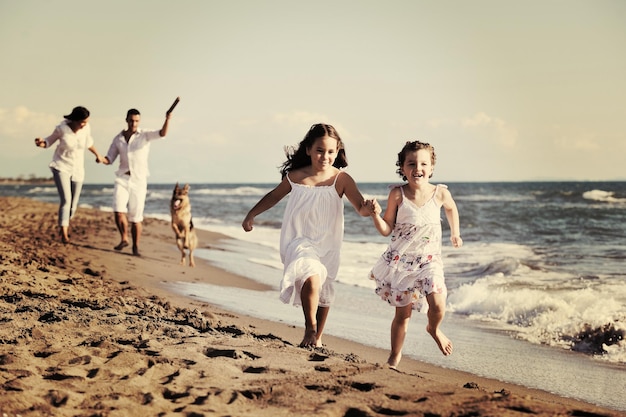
(23, 181)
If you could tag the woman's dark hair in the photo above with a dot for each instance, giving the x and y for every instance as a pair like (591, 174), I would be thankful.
(298, 158)
(414, 147)
(78, 114)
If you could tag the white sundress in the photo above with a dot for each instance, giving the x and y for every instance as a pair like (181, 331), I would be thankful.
(310, 240)
(411, 267)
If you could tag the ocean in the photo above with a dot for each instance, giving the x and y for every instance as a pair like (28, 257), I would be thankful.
(536, 295)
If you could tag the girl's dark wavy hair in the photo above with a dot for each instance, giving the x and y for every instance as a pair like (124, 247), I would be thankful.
(414, 147)
(298, 158)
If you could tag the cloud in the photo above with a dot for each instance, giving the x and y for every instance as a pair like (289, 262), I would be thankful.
(575, 141)
(478, 126)
(491, 128)
(302, 120)
(19, 126)
(18, 122)
(437, 123)
(578, 144)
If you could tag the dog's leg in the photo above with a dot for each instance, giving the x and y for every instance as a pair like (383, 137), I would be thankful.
(193, 244)
(176, 230)
(181, 248)
(187, 233)
(192, 262)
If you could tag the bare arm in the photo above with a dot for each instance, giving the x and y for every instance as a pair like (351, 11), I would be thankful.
(452, 214)
(348, 187)
(166, 123)
(387, 222)
(93, 150)
(267, 202)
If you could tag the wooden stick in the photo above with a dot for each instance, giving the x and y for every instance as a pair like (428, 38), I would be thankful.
(171, 109)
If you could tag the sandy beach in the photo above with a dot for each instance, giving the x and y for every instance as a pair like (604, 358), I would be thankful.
(89, 331)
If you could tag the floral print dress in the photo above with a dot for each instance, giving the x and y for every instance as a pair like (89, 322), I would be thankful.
(411, 267)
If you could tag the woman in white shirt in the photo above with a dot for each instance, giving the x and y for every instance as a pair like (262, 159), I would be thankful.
(68, 162)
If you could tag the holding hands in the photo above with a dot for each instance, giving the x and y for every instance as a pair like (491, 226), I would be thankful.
(373, 206)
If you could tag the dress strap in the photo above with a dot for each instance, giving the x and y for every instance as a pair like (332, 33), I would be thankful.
(337, 176)
(437, 186)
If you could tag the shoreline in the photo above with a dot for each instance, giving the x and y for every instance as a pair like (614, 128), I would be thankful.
(107, 334)
(34, 181)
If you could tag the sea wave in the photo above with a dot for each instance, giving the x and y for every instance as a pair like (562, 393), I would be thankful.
(603, 196)
(41, 190)
(589, 320)
(239, 191)
(495, 198)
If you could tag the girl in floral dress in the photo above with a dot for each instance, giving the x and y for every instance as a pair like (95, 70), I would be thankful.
(410, 271)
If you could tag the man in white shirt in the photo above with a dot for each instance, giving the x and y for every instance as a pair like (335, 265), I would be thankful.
(131, 183)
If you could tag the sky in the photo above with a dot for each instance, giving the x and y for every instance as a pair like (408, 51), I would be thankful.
(504, 90)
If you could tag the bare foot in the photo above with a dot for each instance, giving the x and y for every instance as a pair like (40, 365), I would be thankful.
(65, 236)
(445, 345)
(136, 251)
(394, 360)
(309, 339)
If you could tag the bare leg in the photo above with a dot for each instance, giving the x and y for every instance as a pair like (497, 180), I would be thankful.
(135, 230)
(322, 315)
(122, 225)
(436, 311)
(399, 327)
(310, 300)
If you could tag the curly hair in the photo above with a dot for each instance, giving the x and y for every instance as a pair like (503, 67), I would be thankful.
(298, 158)
(414, 147)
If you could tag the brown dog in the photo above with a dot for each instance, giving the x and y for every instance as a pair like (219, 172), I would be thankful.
(180, 208)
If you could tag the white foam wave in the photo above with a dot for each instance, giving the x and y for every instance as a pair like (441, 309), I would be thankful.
(495, 197)
(241, 191)
(159, 195)
(603, 196)
(102, 191)
(41, 190)
(548, 316)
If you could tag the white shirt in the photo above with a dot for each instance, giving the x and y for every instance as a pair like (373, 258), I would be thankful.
(69, 155)
(133, 154)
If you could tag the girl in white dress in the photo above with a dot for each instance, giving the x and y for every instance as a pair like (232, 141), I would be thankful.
(312, 227)
(411, 269)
